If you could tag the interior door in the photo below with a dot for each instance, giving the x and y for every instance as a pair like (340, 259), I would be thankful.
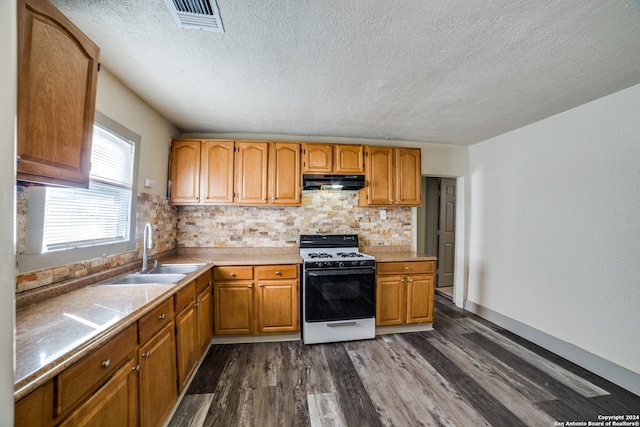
(446, 232)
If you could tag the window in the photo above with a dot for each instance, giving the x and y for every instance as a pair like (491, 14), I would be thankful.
(66, 225)
(102, 214)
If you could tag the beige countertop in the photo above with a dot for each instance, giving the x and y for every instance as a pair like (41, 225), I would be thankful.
(382, 255)
(55, 333)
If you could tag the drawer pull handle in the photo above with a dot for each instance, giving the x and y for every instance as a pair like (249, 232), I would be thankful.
(277, 273)
(106, 363)
(162, 316)
(136, 368)
(232, 274)
(406, 268)
(147, 355)
(411, 280)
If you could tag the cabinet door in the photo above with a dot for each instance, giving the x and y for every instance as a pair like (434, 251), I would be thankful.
(57, 76)
(251, 172)
(284, 173)
(318, 158)
(233, 308)
(184, 172)
(205, 318)
(187, 343)
(158, 391)
(408, 177)
(379, 172)
(115, 404)
(278, 303)
(420, 299)
(348, 159)
(390, 300)
(35, 409)
(217, 172)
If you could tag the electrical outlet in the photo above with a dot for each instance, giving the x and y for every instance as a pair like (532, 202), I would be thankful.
(383, 214)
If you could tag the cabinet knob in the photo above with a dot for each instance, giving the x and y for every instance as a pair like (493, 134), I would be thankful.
(162, 316)
(406, 268)
(277, 273)
(106, 363)
(232, 274)
(136, 368)
(402, 280)
(147, 355)
(411, 280)
(18, 159)
(249, 286)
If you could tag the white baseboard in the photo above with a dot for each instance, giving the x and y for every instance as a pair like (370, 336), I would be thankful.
(619, 375)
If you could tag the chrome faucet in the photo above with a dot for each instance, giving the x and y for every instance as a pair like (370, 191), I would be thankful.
(147, 243)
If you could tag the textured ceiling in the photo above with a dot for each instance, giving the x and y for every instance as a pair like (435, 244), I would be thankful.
(451, 71)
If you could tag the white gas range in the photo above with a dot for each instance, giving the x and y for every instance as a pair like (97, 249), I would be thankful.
(338, 289)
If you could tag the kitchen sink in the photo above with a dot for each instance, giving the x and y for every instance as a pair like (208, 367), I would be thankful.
(147, 279)
(175, 269)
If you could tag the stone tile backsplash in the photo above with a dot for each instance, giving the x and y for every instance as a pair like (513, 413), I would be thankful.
(322, 212)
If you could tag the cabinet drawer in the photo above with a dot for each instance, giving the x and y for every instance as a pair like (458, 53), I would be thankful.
(405, 267)
(232, 273)
(152, 322)
(277, 272)
(185, 295)
(203, 281)
(91, 372)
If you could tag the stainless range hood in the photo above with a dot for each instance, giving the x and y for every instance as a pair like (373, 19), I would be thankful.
(332, 182)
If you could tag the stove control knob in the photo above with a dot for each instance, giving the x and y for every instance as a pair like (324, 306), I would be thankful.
(341, 264)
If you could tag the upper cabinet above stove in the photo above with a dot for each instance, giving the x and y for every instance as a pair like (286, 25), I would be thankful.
(332, 158)
(57, 76)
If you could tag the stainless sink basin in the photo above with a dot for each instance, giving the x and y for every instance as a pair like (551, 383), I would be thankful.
(175, 269)
(147, 279)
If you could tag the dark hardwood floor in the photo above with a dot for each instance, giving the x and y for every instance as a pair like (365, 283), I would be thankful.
(466, 372)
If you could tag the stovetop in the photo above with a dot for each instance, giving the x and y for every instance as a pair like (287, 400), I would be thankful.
(333, 251)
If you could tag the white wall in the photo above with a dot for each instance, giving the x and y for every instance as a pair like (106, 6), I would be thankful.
(555, 228)
(119, 103)
(8, 92)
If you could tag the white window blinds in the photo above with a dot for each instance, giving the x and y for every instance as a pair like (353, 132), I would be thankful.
(101, 214)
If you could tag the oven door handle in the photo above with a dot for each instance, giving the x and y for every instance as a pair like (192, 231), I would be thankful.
(341, 272)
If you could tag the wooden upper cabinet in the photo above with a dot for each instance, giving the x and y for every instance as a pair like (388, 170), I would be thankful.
(217, 172)
(333, 158)
(251, 172)
(408, 177)
(284, 173)
(318, 158)
(348, 159)
(380, 177)
(184, 172)
(393, 177)
(57, 76)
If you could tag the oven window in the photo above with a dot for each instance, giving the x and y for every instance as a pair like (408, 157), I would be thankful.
(339, 295)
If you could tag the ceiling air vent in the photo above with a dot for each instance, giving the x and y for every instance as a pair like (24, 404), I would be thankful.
(196, 14)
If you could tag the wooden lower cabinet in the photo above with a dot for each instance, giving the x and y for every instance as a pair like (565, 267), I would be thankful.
(157, 377)
(204, 316)
(264, 302)
(194, 325)
(115, 404)
(404, 293)
(35, 409)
